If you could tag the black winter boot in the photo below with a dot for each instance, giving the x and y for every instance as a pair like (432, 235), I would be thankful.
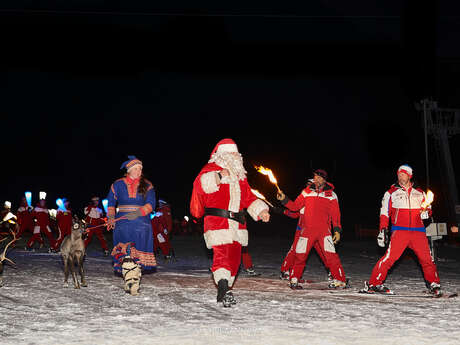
(222, 288)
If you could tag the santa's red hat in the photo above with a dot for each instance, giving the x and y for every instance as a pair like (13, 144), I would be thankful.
(405, 169)
(225, 146)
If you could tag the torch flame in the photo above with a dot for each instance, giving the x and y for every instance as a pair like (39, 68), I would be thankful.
(429, 199)
(257, 194)
(267, 172)
(260, 196)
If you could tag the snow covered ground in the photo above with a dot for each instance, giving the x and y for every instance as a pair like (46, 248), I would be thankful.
(177, 304)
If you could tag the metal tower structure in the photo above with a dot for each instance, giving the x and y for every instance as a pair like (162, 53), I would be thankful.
(441, 124)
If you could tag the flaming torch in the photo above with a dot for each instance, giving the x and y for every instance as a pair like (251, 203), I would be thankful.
(28, 196)
(260, 196)
(428, 200)
(269, 173)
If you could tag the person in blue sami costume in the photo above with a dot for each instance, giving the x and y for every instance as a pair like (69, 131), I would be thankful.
(132, 234)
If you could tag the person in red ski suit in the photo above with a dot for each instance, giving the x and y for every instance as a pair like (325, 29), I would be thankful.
(166, 216)
(42, 219)
(161, 235)
(64, 222)
(25, 218)
(288, 261)
(321, 209)
(246, 260)
(94, 218)
(221, 193)
(402, 206)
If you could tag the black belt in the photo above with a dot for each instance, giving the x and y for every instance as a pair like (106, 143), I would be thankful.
(218, 212)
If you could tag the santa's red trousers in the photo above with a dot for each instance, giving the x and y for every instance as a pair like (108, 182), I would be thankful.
(400, 240)
(99, 235)
(161, 240)
(289, 260)
(226, 261)
(326, 250)
(246, 258)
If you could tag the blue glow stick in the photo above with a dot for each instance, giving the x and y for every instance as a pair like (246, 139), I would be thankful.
(105, 204)
(28, 198)
(60, 204)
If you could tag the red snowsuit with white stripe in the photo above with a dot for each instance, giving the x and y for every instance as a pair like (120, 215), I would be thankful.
(41, 216)
(225, 236)
(25, 220)
(160, 234)
(94, 218)
(321, 210)
(64, 222)
(288, 261)
(403, 207)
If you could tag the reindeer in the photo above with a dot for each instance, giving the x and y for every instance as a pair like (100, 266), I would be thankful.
(3, 255)
(73, 252)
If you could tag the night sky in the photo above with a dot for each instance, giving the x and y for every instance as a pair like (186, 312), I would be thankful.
(321, 85)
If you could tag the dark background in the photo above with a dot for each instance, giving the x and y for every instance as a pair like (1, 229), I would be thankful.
(298, 86)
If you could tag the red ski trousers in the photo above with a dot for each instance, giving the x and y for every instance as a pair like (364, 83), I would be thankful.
(288, 261)
(400, 240)
(99, 235)
(161, 240)
(25, 226)
(35, 237)
(45, 230)
(226, 261)
(246, 258)
(323, 240)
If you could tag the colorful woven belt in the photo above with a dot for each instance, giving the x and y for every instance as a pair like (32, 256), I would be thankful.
(128, 208)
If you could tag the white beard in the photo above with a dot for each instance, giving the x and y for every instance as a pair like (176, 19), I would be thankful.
(233, 164)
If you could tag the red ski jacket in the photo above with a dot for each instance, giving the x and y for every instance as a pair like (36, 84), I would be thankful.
(321, 208)
(403, 207)
(42, 216)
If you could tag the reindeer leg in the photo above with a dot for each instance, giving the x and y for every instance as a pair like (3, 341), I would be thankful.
(82, 270)
(66, 270)
(74, 275)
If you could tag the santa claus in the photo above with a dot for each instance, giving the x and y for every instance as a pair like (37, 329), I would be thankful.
(221, 194)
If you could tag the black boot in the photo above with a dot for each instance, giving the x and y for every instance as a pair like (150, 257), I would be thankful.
(229, 299)
(222, 288)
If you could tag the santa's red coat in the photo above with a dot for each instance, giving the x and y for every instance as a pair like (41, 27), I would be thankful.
(232, 195)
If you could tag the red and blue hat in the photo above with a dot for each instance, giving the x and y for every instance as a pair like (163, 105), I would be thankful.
(131, 162)
(405, 169)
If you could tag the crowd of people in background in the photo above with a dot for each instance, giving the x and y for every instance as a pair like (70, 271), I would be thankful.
(45, 228)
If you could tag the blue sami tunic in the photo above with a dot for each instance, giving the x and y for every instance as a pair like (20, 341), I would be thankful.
(136, 233)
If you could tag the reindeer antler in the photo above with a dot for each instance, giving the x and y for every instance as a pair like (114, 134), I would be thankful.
(3, 255)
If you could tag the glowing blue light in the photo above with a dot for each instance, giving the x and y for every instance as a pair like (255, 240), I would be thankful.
(60, 204)
(29, 198)
(105, 204)
(152, 215)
